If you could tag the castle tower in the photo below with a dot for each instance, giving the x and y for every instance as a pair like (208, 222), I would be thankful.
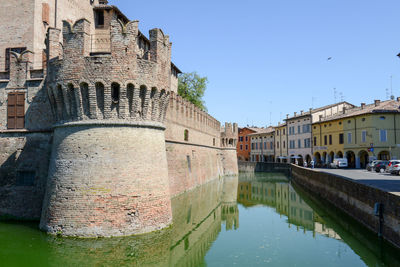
(229, 138)
(108, 173)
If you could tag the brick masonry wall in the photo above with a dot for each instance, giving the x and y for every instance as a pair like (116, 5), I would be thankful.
(21, 152)
(107, 181)
(355, 199)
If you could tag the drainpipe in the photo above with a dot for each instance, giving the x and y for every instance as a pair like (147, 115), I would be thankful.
(55, 13)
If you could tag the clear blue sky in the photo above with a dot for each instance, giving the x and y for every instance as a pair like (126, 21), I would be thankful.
(267, 58)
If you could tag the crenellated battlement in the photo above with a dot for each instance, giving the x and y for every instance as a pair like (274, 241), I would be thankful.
(119, 84)
(229, 135)
(184, 112)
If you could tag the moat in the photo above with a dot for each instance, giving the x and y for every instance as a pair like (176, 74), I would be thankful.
(256, 220)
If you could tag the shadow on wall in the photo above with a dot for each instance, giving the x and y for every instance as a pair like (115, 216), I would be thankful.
(25, 158)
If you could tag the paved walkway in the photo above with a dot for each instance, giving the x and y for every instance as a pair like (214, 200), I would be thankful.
(384, 181)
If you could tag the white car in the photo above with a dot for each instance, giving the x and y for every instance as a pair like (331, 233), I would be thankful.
(339, 163)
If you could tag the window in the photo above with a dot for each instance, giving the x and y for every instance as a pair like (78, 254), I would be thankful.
(99, 17)
(315, 141)
(247, 147)
(256, 145)
(277, 132)
(330, 139)
(298, 129)
(18, 50)
(284, 132)
(299, 143)
(277, 144)
(349, 138)
(214, 143)
(383, 135)
(16, 111)
(241, 147)
(340, 123)
(247, 139)
(364, 136)
(186, 135)
(325, 140)
(341, 139)
(284, 144)
(271, 145)
(240, 138)
(252, 146)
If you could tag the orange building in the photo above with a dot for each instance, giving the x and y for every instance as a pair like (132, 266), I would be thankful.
(243, 146)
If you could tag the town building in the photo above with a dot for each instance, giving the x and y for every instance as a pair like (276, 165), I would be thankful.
(328, 139)
(281, 149)
(262, 145)
(300, 130)
(243, 147)
(360, 134)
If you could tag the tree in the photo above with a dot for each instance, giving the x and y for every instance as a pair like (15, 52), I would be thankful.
(192, 87)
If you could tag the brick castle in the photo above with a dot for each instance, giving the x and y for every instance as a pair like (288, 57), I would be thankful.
(94, 140)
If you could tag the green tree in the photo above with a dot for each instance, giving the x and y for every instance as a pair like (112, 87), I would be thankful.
(192, 87)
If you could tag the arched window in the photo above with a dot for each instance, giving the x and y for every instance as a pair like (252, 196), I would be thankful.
(115, 91)
(186, 135)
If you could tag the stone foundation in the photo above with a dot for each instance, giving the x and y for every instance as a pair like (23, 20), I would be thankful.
(107, 180)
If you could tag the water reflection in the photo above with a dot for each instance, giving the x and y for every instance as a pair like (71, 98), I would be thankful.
(206, 231)
(274, 190)
(197, 219)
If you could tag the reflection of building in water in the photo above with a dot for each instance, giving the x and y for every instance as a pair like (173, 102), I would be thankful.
(285, 200)
(229, 208)
(197, 219)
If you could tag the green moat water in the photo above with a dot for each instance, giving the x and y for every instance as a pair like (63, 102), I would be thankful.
(256, 220)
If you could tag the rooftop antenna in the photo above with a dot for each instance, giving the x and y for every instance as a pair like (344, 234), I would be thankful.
(387, 93)
(341, 97)
(335, 95)
(391, 87)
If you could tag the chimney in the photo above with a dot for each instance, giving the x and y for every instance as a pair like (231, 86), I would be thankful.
(398, 99)
(377, 102)
(362, 105)
(301, 112)
(287, 116)
(295, 114)
(320, 117)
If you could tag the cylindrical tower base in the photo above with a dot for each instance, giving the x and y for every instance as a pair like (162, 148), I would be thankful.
(107, 179)
(230, 161)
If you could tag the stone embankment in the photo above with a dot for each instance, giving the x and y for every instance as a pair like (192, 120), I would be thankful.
(356, 199)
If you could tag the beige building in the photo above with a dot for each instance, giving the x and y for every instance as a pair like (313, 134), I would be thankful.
(262, 145)
(300, 131)
(281, 143)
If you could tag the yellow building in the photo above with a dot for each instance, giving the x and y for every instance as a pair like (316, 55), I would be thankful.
(328, 139)
(360, 134)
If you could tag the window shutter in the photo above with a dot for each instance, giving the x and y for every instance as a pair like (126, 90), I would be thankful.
(16, 111)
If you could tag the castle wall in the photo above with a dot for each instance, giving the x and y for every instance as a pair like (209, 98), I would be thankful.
(106, 180)
(23, 174)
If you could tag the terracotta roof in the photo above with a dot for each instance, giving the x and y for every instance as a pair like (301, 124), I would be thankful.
(308, 113)
(389, 106)
(263, 131)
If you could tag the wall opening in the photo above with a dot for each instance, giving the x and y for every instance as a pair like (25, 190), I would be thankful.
(186, 135)
(100, 99)
(129, 94)
(72, 101)
(189, 163)
(85, 99)
(16, 111)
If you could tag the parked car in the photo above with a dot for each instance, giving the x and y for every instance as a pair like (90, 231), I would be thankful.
(381, 166)
(372, 164)
(393, 167)
(339, 163)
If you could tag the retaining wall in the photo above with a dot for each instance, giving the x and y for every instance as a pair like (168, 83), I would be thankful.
(357, 200)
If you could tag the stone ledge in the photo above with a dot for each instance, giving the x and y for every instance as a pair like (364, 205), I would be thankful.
(112, 123)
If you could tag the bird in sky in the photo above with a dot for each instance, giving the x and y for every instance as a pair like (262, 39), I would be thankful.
(329, 58)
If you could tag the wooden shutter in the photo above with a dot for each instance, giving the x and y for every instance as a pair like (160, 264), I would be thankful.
(16, 111)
